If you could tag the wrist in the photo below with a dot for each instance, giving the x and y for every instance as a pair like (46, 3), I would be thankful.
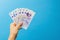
(12, 37)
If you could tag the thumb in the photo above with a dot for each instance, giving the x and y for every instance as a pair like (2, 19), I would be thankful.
(18, 26)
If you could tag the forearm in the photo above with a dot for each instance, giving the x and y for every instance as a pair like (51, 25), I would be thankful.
(13, 34)
(12, 37)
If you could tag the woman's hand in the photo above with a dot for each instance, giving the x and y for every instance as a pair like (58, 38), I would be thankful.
(14, 30)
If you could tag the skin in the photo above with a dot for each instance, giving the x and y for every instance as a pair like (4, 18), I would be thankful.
(14, 30)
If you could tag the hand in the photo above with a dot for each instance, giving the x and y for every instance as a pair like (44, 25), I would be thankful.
(14, 30)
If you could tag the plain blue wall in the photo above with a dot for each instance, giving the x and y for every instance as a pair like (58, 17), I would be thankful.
(44, 26)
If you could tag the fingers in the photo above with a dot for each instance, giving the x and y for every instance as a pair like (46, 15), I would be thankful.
(13, 24)
(18, 26)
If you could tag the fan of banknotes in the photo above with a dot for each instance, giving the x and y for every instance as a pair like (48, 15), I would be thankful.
(24, 15)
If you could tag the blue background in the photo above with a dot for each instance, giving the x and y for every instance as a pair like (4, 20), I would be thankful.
(44, 26)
